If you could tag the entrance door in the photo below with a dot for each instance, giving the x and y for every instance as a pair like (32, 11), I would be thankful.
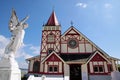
(75, 72)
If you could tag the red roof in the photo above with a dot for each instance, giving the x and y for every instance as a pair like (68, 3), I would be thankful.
(52, 21)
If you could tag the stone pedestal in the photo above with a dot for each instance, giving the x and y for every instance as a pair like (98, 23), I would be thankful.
(9, 70)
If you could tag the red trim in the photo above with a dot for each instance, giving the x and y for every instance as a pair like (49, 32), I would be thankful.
(46, 73)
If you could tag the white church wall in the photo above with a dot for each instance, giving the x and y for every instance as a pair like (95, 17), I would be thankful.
(45, 67)
(105, 66)
(41, 67)
(114, 66)
(84, 71)
(60, 67)
(88, 48)
(91, 67)
(94, 49)
(66, 72)
(70, 50)
(63, 48)
(82, 48)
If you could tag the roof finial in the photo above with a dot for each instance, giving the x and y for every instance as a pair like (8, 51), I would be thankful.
(71, 23)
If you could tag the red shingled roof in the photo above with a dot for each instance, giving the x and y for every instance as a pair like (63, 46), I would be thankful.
(52, 21)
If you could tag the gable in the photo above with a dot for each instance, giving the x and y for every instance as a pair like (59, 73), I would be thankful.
(72, 31)
(53, 57)
(84, 44)
(97, 56)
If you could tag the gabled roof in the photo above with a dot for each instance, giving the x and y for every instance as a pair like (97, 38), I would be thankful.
(86, 39)
(97, 52)
(51, 55)
(52, 21)
(38, 56)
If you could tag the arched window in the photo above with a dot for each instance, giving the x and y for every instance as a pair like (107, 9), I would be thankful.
(36, 66)
(51, 37)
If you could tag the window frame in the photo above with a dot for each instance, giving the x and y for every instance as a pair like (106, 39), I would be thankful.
(53, 68)
(51, 38)
(98, 68)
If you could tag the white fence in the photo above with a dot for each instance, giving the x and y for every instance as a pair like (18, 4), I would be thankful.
(31, 77)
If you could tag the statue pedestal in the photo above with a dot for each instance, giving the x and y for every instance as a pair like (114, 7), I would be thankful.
(9, 70)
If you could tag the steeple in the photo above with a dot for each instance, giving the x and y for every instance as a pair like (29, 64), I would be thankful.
(52, 21)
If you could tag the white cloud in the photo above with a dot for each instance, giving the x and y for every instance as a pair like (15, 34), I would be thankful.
(23, 54)
(23, 64)
(35, 49)
(108, 6)
(83, 5)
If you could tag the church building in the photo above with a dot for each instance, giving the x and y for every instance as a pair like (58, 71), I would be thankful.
(70, 56)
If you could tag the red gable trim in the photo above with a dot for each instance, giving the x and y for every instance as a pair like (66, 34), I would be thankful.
(53, 57)
(101, 57)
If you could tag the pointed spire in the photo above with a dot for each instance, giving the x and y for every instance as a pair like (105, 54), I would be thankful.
(52, 21)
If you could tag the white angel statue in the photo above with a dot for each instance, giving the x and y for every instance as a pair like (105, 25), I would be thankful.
(16, 27)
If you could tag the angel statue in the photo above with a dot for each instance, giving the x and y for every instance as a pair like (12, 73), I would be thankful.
(16, 28)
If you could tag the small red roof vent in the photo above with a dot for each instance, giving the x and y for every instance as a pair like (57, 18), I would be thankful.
(52, 21)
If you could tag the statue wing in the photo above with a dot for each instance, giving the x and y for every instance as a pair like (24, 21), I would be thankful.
(13, 20)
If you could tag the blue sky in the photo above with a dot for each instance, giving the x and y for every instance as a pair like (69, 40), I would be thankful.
(99, 20)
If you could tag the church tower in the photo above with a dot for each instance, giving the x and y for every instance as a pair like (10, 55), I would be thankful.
(50, 37)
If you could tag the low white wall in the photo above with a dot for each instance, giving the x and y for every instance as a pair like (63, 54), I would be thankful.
(99, 77)
(31, 77)
(115, 75)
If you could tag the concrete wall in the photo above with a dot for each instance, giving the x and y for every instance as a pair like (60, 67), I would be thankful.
(99, 77)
